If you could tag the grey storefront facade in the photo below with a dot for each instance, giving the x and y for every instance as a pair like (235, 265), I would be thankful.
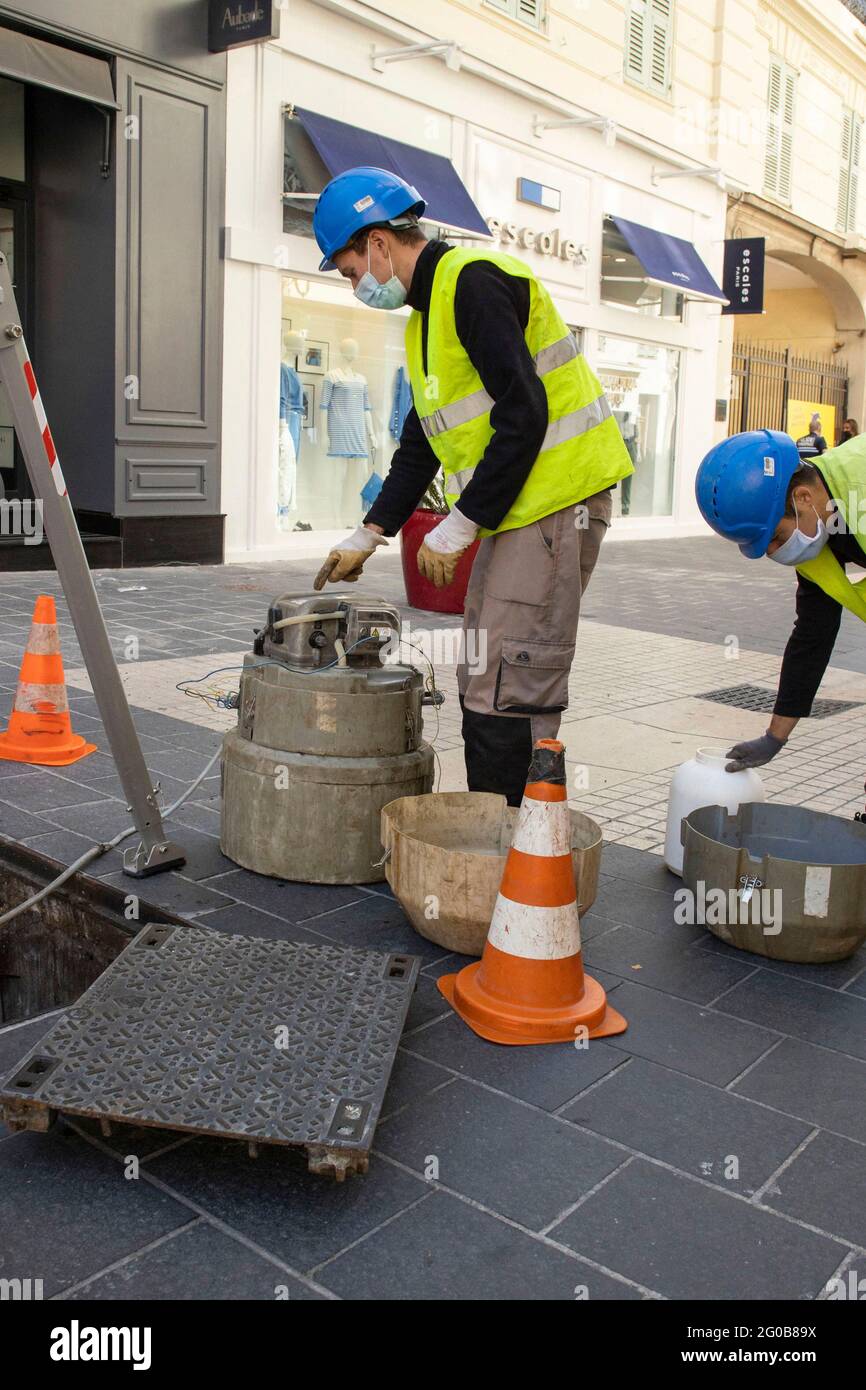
(112, 160)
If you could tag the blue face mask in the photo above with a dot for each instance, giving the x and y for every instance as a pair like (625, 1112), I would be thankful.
(800, 548)
(391, 295)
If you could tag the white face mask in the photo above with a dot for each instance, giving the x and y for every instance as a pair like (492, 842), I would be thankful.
(391, 295)
(799, 548)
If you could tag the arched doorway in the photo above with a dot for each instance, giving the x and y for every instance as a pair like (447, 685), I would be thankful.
(804, 353)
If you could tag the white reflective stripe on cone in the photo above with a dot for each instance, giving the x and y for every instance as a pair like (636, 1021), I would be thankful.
(29, 695)
(43, 640)
(535, 933)
(543, 827)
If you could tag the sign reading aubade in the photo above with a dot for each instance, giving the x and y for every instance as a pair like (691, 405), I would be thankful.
(233, 22)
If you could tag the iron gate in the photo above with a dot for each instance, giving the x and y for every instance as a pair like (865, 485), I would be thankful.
(764, 379)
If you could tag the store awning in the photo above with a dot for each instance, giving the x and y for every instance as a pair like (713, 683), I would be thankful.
(341, 146)
(669, 261)
(25, 59)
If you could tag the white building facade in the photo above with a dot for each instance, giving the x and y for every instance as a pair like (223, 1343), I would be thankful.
(490, 99)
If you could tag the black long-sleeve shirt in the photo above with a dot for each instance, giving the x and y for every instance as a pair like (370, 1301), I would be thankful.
(491, 311)
(811, 643)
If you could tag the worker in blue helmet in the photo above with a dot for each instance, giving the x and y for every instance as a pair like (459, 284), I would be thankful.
(756, 489)
(505, 404)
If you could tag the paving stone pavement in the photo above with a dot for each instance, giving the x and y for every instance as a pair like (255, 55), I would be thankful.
(713, 1151)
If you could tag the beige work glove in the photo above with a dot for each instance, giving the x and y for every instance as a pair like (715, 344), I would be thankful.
(442, 548)
(346, 561)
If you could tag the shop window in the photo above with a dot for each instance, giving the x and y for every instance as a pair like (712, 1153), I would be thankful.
(12, 163)
(344, 394)
(649, 44)
(781, 94)
(624, 281)
(641, 381)
(849, 171)
(531, 12)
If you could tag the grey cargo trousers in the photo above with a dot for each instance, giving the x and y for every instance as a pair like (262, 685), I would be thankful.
(519, 636)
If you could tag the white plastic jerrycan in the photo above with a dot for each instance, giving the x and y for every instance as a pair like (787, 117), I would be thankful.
(702, 781)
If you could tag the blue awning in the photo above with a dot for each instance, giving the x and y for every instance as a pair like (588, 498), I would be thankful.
(670, 261)
(341, 146)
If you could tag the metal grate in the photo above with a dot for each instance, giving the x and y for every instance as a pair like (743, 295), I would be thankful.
(763, 699)
(269, 1041)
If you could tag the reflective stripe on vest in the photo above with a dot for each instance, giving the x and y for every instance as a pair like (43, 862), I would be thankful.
(448, 417)
(568, 427)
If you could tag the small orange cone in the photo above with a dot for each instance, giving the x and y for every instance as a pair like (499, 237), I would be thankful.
(40, 730)
(529, 986)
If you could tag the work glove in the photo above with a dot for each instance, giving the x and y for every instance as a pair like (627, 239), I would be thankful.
(754, 752)
(346, 561)
(442, 547)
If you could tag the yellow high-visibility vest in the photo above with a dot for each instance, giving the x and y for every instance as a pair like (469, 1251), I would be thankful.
(582, 451)
(844, 471)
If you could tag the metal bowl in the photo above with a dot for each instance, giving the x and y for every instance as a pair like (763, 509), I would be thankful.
(793, 880)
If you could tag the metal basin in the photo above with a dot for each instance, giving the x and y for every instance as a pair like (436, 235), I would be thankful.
(447, 854)
(794, 880)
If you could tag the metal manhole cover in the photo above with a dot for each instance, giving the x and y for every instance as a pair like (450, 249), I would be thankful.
(763, 699)
(269, 1041)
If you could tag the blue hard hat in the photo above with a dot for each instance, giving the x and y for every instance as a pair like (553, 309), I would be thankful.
(742, 487)
(362, 197)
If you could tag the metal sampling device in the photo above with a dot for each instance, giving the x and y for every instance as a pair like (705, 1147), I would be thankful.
(327, 734)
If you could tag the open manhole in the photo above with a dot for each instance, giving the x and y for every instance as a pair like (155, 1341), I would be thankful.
(52, 952)
(189, 1029)
(763, 699)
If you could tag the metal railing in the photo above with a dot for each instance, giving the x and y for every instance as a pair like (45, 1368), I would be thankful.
(765, 378)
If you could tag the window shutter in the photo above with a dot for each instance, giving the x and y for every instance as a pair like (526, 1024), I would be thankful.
(531, 12)
(844, 172)
(779, 149)
(528, 11)
(635, 41)
(659, 55)
(854, 185)
(849, 171)
(648, 44)
(774, 107)
(786, 140)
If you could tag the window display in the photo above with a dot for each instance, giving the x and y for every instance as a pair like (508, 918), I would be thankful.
(640, 380)
(344, 394)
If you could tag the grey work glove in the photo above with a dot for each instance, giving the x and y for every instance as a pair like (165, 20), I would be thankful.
(754, 752)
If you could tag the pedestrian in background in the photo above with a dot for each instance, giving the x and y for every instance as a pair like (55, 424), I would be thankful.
(849, 431)
(810, 445)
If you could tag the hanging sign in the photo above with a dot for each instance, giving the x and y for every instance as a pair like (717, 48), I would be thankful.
(743, 275)
(235, 22)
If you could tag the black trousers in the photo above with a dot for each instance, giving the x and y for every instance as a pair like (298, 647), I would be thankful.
(498, 751)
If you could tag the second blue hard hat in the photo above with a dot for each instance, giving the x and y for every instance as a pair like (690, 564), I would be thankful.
(362, 197)
(742, 487)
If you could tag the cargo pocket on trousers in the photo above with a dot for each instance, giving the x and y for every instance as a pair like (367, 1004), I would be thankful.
(533, 677)
(522, 565)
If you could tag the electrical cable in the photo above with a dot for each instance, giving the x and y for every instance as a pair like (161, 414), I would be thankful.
(102, 847)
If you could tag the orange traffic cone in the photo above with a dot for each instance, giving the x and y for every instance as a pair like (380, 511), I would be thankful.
(40, 730)
(529, 986)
